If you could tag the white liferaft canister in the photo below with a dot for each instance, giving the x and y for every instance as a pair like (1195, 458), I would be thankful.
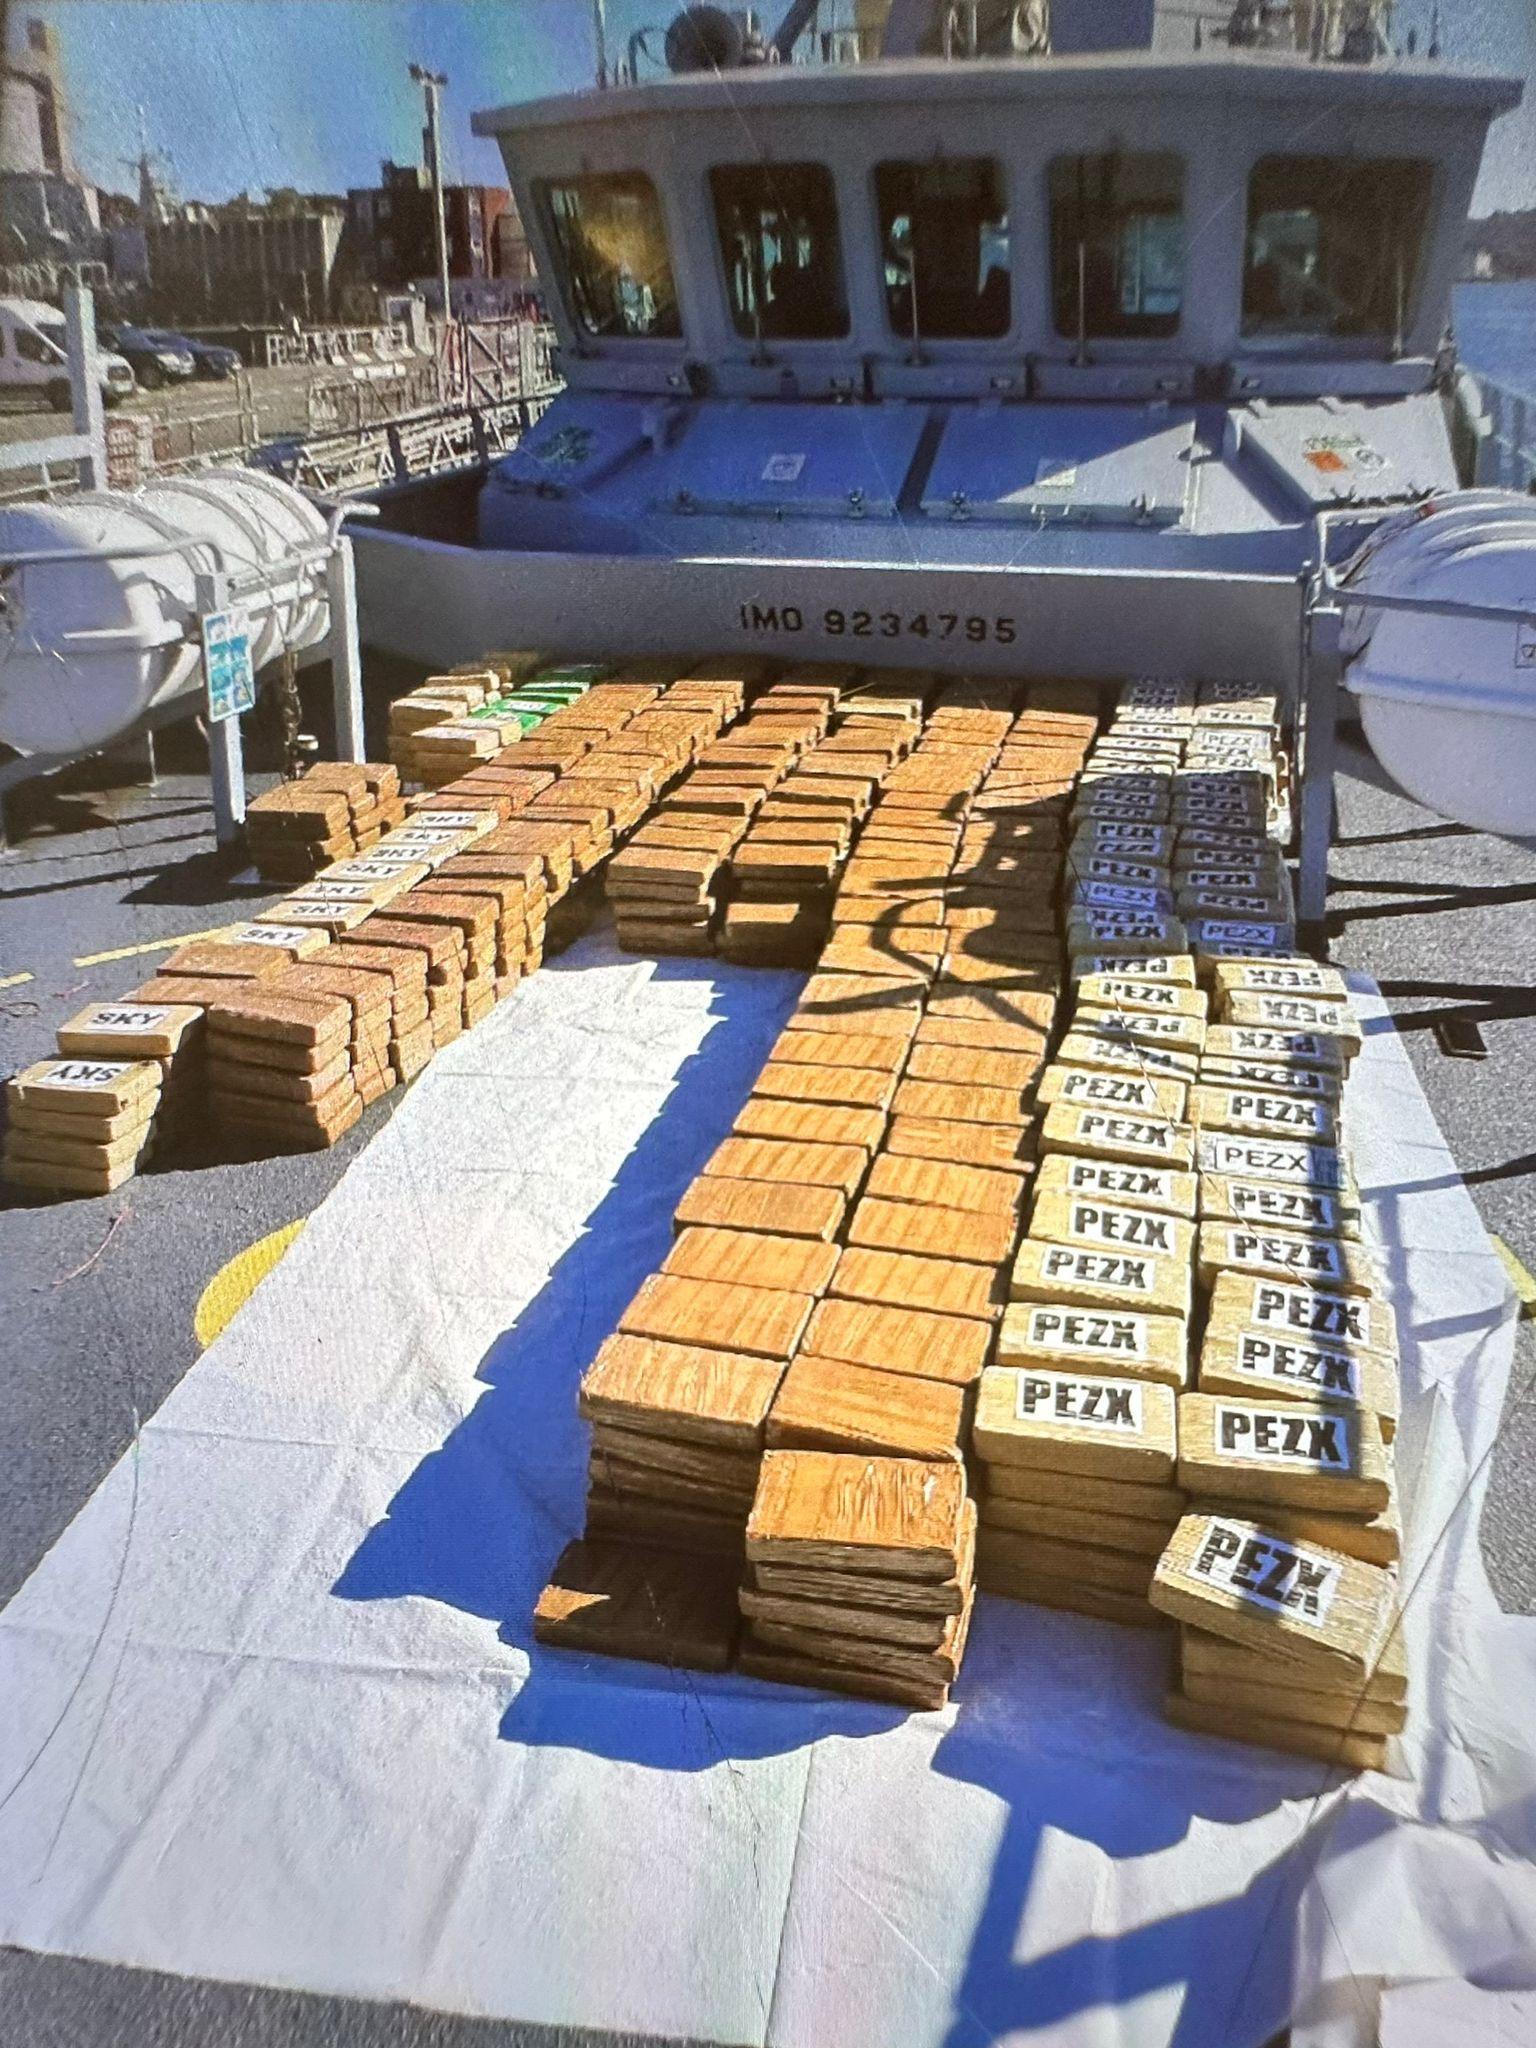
(89, 645)
(1448, 700)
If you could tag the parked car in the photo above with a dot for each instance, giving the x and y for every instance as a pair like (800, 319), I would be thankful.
(33, 362)
(156, 357)
(209, 358)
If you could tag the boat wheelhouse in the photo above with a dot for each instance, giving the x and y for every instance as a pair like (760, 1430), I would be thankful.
(1057, 365)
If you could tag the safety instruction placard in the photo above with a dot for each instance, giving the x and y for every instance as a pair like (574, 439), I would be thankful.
(227, 666)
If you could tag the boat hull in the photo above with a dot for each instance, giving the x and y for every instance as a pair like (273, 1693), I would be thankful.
(436, 603)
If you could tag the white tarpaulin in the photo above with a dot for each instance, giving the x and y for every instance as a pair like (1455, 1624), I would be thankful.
(272, 1712)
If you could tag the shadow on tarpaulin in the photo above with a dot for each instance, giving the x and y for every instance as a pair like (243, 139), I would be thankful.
(480, 1522)
(1218, 1974)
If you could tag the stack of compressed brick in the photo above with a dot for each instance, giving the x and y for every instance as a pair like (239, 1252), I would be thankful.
(334, 810)
(677, 1400)
(607, 753)
(337, 904)
(493, 785)
(473, 715)
(80, 1126)
(207, 971)
(444, 912)
(376, 809)
(514, 884)
(440, 703)
(401, 974)
(472, 920)
(1286, 1446)
(696, 1362)
(375, 1024)
(356, 887)
(604, 792)
(1280, 1572)
(664, 885)
(1076, 1420)
(293, 830)
(518, 708)
(1076, 1428)
(891, 1360)
(907, 1219)
(440, 946)
(1074, 1425)
(782, 872)
(280, 1066)
(861, 1575)
(925, 1205)
(170, 1032)
(1285, 1642)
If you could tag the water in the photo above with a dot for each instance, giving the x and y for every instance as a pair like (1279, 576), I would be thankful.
(1496, 332)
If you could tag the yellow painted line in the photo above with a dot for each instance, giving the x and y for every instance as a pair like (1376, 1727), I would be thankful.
(150, 946)
(234, 1283)
(1519, 1279)
(16, 980)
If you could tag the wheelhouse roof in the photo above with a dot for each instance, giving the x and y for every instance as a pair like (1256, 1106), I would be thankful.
(1133, 75)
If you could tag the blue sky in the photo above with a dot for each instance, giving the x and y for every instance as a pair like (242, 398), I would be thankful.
(250, 93)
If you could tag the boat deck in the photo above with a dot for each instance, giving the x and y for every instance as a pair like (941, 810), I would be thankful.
(99, 1295)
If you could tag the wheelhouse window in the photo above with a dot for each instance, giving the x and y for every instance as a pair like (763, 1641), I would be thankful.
(944, 242)
(1333, 244)
(777, 225)
(611, 248)
(1117, 245)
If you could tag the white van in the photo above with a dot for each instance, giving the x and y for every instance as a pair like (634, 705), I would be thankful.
(33, 362)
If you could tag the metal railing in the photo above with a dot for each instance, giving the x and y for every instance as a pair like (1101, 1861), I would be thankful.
(83, 452)
(433, 443)
(380, 344)
(357, 427)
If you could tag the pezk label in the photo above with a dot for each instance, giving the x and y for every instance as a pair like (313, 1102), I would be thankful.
(1101, 867)
(1113, 1405)
(1092, 1175)
(1313, 1366)
(1286, 1436)
(1301, 1045)
(1124, 832)
(1121, 895)
(1108, 1088)
(1253, 1200)
(1280, 1109)
(1298, 1080)
(1124, 1130)
(1164, 994)
(1099, 1269)
(1320, 1315)
(1295, 980)
(1309, 1257)
(1144, 1027)
(1320, 1010)
(1265, 1571)
(1312, 1165)
(1138, 1227)
(1075, 1329)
